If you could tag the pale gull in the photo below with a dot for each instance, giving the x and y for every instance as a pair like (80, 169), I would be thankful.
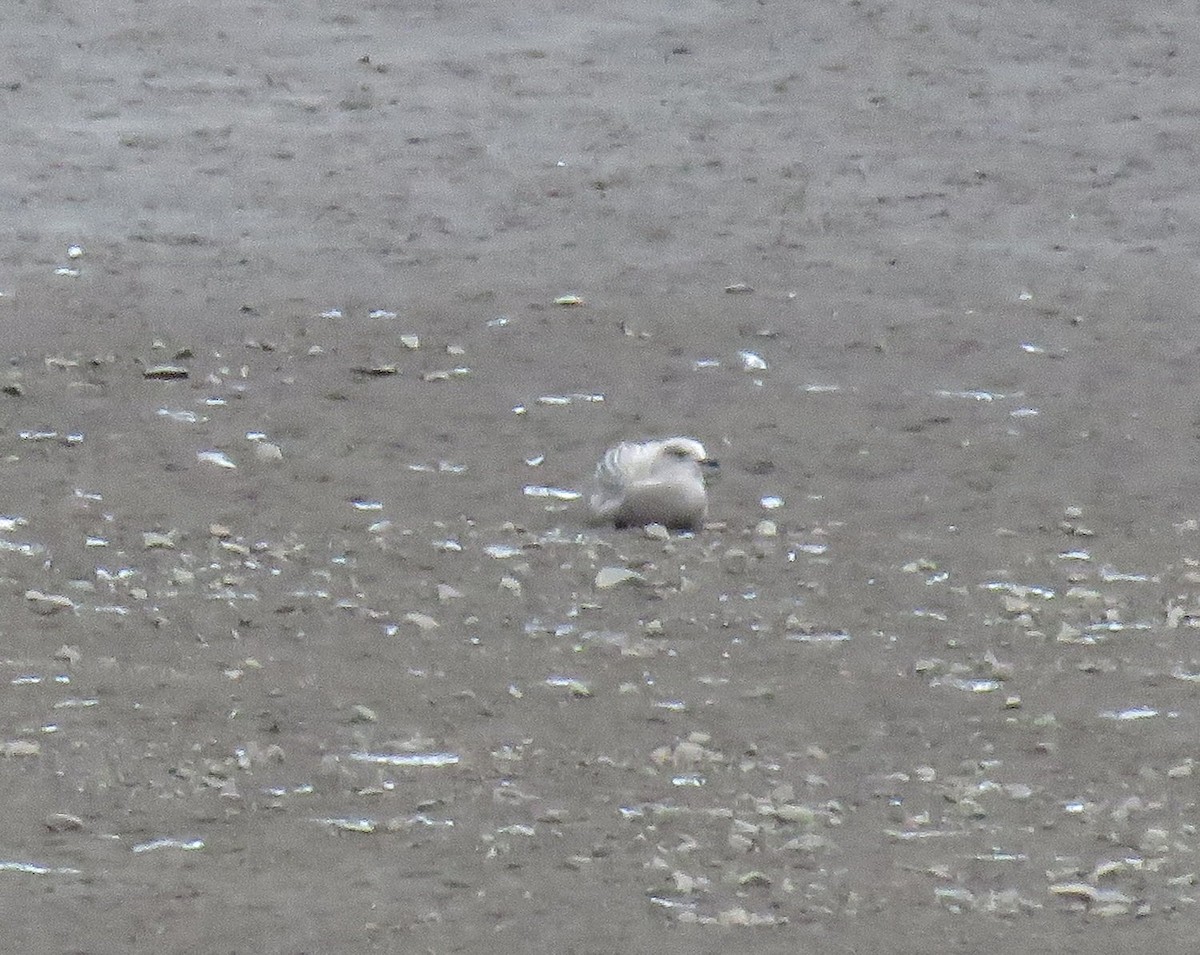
(652, 482)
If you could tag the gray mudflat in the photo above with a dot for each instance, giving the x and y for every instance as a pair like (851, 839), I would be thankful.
(365, 694)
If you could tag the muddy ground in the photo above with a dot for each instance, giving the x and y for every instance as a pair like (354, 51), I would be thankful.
(298, 658)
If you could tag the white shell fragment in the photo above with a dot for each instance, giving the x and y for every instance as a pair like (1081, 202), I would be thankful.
(422, 621)
(975, 394)
(219, 458)
(363, 825)
(46, 604)
(574, 686)
(407, 759)
(609, 577)
(556, 493)
(446, 374)
(188, 845)
(1132, 713)
(562, 400)
(752, 361)
(182, 416)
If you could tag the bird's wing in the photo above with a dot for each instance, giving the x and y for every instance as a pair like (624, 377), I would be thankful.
(625, 464)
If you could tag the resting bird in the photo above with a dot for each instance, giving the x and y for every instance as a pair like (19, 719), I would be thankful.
(652, 482)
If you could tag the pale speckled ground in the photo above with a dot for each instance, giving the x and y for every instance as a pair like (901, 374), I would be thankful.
(927, 200)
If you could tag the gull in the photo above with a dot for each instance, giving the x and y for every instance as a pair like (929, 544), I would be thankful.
(652, 482)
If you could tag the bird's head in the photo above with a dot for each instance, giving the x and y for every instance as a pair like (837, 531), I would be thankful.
(687, 449)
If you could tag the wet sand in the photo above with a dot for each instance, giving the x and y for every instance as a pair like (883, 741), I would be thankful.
(365, 692)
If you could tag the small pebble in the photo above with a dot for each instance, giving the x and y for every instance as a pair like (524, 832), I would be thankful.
(608, 577)
(165, 373)
(266, 451)
(512, 585)
(63, 822)
(421, 620)
(155, 540)
(47, 604)
(362, 714)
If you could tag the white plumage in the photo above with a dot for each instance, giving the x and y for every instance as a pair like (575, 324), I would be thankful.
(652, 482)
